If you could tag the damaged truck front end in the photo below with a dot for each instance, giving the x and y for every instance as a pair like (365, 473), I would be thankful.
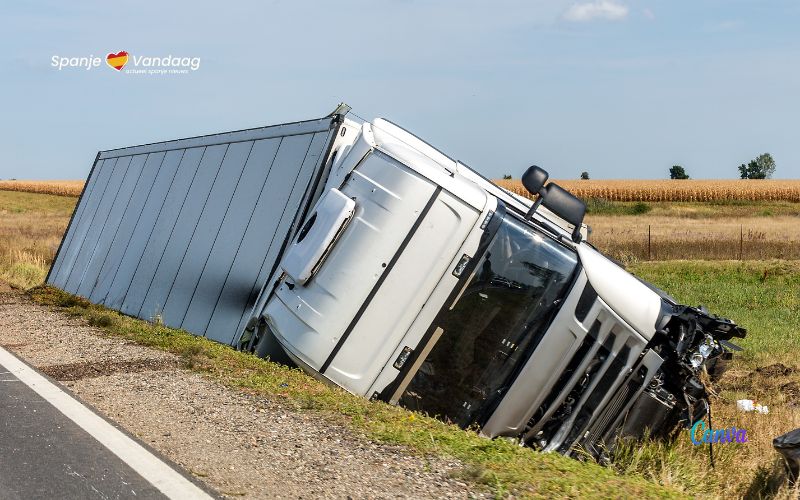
(417, 282)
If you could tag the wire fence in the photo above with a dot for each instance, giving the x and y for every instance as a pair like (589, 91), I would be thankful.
(743, 243)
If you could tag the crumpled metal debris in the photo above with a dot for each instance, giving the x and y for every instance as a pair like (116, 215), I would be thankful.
(788, 445)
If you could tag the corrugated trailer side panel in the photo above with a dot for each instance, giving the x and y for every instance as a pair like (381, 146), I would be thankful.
(189, 231)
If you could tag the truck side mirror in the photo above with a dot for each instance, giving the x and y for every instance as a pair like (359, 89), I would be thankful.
(533, 179)
(567, 206)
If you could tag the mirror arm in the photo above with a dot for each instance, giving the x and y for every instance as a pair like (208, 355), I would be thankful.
(576, 234)
(535, 206)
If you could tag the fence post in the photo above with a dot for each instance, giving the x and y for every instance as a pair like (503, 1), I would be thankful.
(649, 244)
(741, 240)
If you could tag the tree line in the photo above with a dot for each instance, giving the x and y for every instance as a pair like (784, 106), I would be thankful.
(761, 167)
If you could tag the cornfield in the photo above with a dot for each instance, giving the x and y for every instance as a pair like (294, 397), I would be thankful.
(675, 190)
(61, 188)
(612, 190)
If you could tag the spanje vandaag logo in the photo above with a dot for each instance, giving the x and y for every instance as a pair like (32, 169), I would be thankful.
(700, 435)
(123, 62)
(118, 60)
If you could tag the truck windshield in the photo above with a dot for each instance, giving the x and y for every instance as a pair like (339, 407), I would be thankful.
(493, 328)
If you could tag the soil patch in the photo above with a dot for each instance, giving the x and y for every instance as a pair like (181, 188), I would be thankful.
(776, 370)
(92, 369)
(763, 381)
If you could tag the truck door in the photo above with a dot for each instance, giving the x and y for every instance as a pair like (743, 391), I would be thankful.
(490, 331)
(348, 319)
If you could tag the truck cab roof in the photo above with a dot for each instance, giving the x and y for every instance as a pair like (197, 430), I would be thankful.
(463, 180)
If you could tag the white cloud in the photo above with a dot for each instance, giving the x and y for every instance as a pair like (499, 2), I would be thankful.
(607, 10)
(723, 26)
(649, 14)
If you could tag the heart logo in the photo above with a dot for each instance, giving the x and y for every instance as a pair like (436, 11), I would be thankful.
(118, 60)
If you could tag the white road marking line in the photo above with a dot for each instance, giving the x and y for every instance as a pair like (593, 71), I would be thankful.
(159, 474)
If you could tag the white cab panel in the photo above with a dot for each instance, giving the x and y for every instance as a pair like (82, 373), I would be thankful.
(437, 299)
(639, 306)
(309, 320)
(423, 263)
(319, 232)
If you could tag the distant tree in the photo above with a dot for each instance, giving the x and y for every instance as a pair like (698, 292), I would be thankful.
(744, 170)
(585, 176)
(506, 177)
(677, 172)
(761, 168)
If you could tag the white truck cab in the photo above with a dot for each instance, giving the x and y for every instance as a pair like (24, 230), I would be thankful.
(416, 281)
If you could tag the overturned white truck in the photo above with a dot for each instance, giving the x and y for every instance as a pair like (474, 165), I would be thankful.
(402, 275)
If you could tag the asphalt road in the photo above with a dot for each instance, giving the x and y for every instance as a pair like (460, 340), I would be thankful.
(50, 449)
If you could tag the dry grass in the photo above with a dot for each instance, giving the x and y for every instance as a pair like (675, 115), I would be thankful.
(625, 237)
(31, 227)
(60, 188)
(749, 470)
(676, 190)
(731, 224)
(690, 219)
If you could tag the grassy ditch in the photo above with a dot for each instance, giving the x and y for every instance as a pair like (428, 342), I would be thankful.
(762, 296)
(500, 465)
(765, 298)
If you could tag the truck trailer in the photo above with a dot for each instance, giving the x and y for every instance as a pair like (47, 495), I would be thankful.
(398, 274)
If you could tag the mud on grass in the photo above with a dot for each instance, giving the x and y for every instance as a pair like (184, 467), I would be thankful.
(502, 466)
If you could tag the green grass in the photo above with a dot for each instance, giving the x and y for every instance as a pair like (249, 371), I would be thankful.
(500, 465)
(720, 209)
(601, 206)
(17, 202)
(762, 296)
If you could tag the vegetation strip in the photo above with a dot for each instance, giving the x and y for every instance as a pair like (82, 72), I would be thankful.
(687, 190)
(657, 190)
(763, 296)
(501, 465)
(60, 188)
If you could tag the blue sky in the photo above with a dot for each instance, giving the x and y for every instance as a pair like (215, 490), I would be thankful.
(619, 88)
